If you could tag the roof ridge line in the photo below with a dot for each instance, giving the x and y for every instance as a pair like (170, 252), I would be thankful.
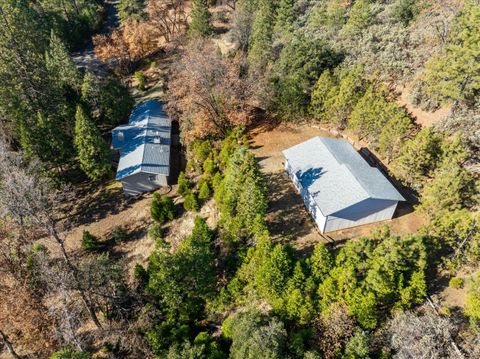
(357, 180)
(345, 165)
(145, 139)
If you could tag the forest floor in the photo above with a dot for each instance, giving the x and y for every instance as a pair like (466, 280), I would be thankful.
(287, 217)
(134, 216)
(423, 118)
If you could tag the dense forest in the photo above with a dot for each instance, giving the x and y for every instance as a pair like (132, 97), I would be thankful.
(229, 289)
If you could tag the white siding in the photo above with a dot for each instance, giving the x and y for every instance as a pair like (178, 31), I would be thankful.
(143, 182)
(374, 211)
(367, 211)
(307, 199)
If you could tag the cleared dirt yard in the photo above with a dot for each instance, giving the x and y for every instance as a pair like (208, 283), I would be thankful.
(287, 217)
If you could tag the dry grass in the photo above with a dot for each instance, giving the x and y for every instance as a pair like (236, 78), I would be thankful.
(423, 118)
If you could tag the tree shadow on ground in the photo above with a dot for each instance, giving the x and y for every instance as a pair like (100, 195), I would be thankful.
(287, 217)
(91, 202)
(260, 123)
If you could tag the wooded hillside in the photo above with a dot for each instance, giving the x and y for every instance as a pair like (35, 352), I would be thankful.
(215, 282)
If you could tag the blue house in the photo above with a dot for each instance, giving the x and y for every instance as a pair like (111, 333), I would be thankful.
(144, 144)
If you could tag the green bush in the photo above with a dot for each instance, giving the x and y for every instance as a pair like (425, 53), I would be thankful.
(201, 150)
(446, 311)
(107, 348)
(119, 234)
(204, 192)
(39, 248)
(155, 231)
(140, 274)
(472, 305)
(162, 208)
(456, 283)
(183, 184)
(89, 242)
(140, 77)
(209, 166)
(191, 202)
(217, 181)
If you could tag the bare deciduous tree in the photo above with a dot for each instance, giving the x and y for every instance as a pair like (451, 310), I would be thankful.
(27, 199)
(334, 330)
(126, 45)
(208, 92)
(167, 18)
(421, 336)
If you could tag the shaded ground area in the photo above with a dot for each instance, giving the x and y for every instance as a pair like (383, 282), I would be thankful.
(287, 216)
(135, 219)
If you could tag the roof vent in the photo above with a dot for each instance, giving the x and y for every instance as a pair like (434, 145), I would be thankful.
(156, 140)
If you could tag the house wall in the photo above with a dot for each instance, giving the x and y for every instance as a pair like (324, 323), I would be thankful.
(368, 211)
(310, 204)
(143, 182)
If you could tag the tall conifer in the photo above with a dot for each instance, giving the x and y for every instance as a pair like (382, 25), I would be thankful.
(200, 26)
(91, 148)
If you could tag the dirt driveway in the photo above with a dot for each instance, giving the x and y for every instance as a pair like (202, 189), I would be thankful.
(287, 217)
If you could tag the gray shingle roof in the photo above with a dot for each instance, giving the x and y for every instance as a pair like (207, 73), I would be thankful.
(144, 143)
(336, 176)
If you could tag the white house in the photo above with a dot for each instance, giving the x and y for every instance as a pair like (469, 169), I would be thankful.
(339, 188)
(144, 144)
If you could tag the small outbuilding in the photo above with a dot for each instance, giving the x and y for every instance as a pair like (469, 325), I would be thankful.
(339, 188)
(144, 144)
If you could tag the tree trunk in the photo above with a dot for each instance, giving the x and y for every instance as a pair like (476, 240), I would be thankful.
(8, 345)
(74, 272)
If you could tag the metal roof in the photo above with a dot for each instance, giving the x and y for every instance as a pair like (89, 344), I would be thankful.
(144, 143)
(336, 176)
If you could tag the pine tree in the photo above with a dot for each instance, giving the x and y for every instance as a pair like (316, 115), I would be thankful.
(91, 91)
(60, 64)
(134, 9)
(284, 17)
(46, 140)
(89, 242)
(200, 26)
(342, 99)
(191, 201)
(93, 152)
(204, 192)
(382, 122)
(455, 74)
(116, 102)
(259, 53)
(298, 293)
(450, 190)
(183, 184)
(472, 305)
(359, 17)
(419, 157)
(325, 88)
(162, 208)
(320, 262)
(28, 90)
